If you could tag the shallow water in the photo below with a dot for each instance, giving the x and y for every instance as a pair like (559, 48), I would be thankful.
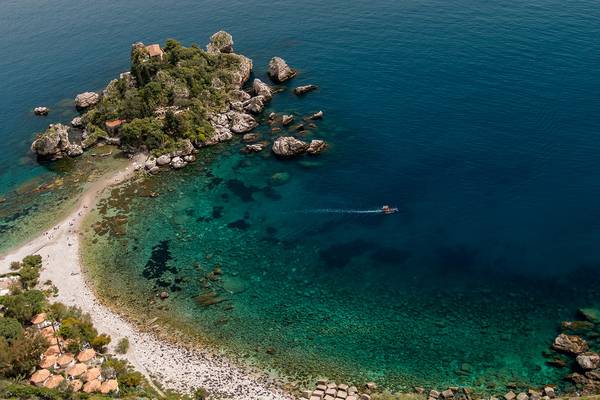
(478, 120)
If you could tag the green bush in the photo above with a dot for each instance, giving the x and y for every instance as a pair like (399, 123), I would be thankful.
(20, 356)
(10, 329)
(23, 305)
(143, 132)
(15, 265)
(200, 394)
(32, 261)
(100, 342)
(123, 346)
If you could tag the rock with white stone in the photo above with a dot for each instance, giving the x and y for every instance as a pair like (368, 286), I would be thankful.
(279, 71)
(570, 344)
(177, 163)
(74, 150)
(588, 360)
(86, 99)
(261, 89)
(287, 119)
(150, 163)
(317, 115)
(77, 122)
(220, 42)
(316, 146)
(289, 146)
(241, 122)
(41, 111)
(163, 160)
(301, 90)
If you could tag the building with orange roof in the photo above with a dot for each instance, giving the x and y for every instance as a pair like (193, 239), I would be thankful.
(91, 374)
(54, 381)
(39, 319)
(86, 355)
(39, 377)
(92, 386)
(48, 362)
(76, 370)
(113, 125)
(65, 361)
(75, 385)
(109, 386)
(154, 50)
(47, 331)
(52, 351)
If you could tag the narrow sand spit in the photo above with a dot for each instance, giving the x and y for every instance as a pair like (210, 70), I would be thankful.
(174, 367)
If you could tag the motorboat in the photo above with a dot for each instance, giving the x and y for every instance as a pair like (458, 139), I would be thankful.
(388, 210)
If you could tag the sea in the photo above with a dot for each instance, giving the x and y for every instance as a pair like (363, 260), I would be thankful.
(478, 120)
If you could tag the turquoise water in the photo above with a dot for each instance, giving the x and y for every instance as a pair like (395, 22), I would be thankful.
(478, 120)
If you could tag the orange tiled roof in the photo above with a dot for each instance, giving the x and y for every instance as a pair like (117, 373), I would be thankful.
(86, 355)
(108, 386)
(39, 376)
(54, 381)
(38, 319)
(114, 123)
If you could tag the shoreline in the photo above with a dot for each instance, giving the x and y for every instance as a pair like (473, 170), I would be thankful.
(174, 366)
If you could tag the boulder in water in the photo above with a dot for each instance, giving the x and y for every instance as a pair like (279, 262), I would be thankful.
(42, 111)
(316, 147)
(289, 146)
(241, 122)
(262, 89)
(301, 90)
(279, 71)
(591, 314)
(53, 143)
(86, 99)
(588, 360)
(570, 344)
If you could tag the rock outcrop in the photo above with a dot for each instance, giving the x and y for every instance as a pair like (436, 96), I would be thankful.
(243, 73)
(300, 90)
(317, 115)
(87, 99)
(588, 360)
(279, 71)
(53, 143)
(77, 122)
(255, 105)
(241, 122)
(42, 111)
(316, 147)
(570, 344)
(289, 146)
(262, 89)
(220, 42)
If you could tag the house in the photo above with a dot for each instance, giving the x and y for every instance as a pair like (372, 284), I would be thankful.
(113, 125)
(154, 50)
(40, 321)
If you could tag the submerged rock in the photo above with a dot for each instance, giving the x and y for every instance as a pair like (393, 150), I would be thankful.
(279, 178)
(570, 344)
(287, 119)
(316, 147)
(253, 148)
(279, 71)
(250, 137)
(86, 99)
(300, 90)
(289, 146)
(220, 42)
(42, 111)
(591, 314)
(317, 115)
(53, 143)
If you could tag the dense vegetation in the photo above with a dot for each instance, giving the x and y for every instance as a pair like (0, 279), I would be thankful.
(22, 345)
(164, 101)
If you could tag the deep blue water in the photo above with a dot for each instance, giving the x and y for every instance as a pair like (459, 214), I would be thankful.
(479, 120)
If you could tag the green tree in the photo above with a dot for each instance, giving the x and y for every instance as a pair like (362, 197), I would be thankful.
(23, 305)
(10, 329)
(143, 132)
(20, 356)
(100, 342)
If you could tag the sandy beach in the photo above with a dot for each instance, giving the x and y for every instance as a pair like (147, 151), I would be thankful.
(173, 366)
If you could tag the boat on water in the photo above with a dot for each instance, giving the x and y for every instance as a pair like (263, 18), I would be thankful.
(388, 210)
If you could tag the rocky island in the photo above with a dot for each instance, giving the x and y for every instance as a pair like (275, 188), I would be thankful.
(174, 101)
